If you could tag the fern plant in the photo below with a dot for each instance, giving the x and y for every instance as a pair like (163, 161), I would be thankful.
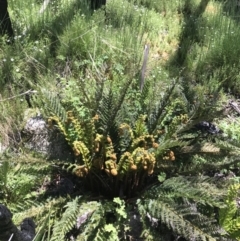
(185, 205)
(127, 152)
(229, 216)
(123, 140)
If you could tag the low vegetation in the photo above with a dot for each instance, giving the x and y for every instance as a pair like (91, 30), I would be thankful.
(155, 148)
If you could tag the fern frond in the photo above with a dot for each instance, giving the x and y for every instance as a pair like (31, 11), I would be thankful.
(201, 162)
(144, 98)
(202, 148)
(121, 99)
(67, 222)
(231, 148)
(140, 128)
(105, 111)
(229, 216)
(125, 137)
(93, 224)
(159, 110)
(176, 219)
(111, 105)
(52, 105)
(19, 178)
(37, 209)
(168, 144)
(80, 148)
(199, 189)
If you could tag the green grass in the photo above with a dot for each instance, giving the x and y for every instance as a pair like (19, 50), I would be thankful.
(67, 45)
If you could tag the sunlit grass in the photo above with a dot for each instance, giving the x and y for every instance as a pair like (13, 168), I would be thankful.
(67, 41)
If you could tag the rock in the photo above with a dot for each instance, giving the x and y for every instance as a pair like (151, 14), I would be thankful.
(136, 227)
(37, 135)
(39, 138)
(10, 232)
(3, 148)
(209, 127)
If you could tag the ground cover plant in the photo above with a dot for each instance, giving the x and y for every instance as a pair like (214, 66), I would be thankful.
(145, 95)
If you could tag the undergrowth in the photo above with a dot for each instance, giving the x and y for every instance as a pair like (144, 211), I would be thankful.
(139, 152)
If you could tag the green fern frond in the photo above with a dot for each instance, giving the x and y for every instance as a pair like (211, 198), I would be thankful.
(120, 101)
(67, 222)
(111, 105)
(175, 217)
(228, 146)
(108, 232)
(126, 136)
(202, 163)
(144, 98)
(90, 132)
(199, 189)
(92, 226)
(52, 105)
(168, 144)
(106, 111)
(18, 179)
(158, 114)
(140, 128)
(37, 209)
(229, 216)
(176, 124)
(202, 148)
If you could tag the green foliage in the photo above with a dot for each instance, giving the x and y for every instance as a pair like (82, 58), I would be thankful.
(229, 216)
(90, 220)
(67, 221)
(85, 67)
(121, 212)
(231, 129)
(178, 203)
(208, 46)
(19, 178)
(129, 150)
(164, 6)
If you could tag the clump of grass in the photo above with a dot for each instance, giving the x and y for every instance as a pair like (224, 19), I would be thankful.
(208, 47)
(10, 121)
